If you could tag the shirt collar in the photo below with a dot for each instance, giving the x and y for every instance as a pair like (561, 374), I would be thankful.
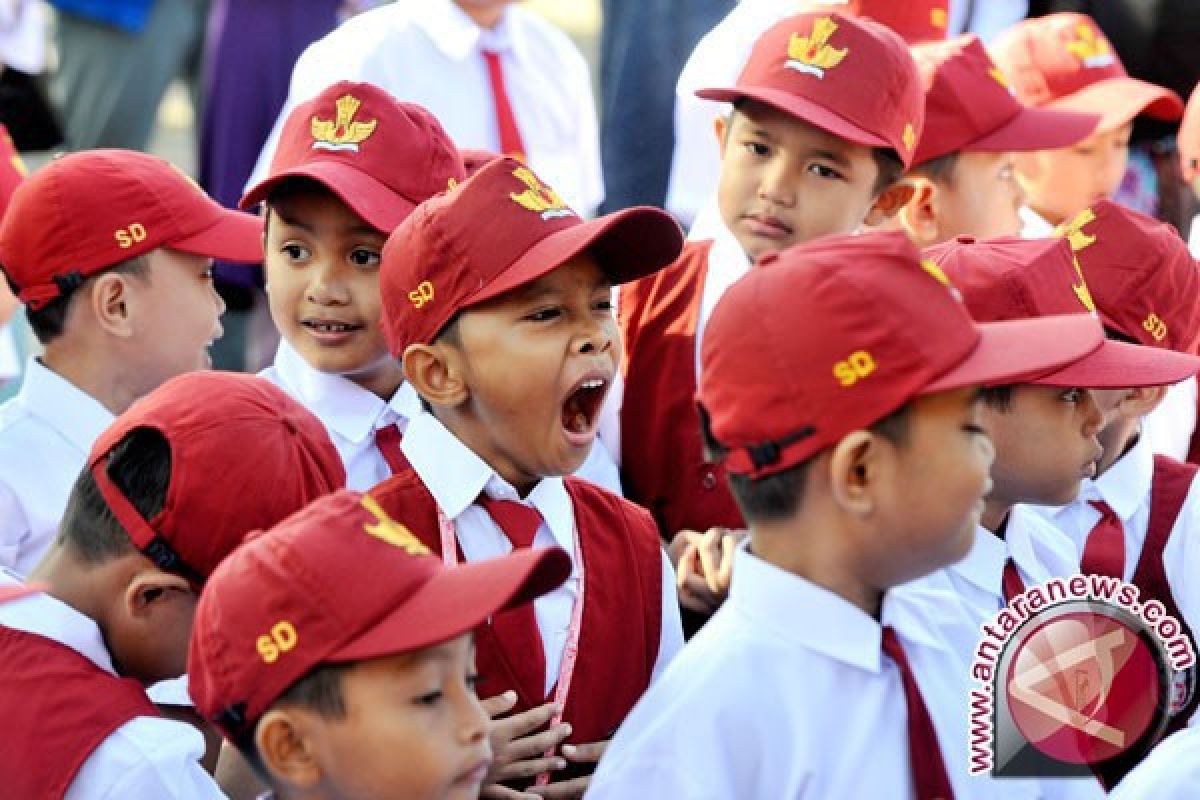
(983, 565)
(728, 252)
(65, 407)
(346, 408)
(48, 616)
(457, 35)
(456, 476)
(1126, 484)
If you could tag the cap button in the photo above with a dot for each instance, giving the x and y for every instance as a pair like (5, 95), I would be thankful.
(710, 480)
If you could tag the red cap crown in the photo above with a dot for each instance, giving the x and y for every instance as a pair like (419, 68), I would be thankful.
(380, 156)
(1063, 60)
(851, 77)
(85, 212)
(832, 335)
(1142, 276)
(244, 455)
(12, 168)
(915, 20)
(969, 106)
(340, 582)
(501, 229)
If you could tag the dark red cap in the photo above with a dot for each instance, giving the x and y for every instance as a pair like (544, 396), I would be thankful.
(474, 159)
(12, 168)
(499, 230)
(87, 211)
(244, 455)
(833, 335)
(916, 20)
(1011, 279)
(969, 106)
(1063, 61)
(340, 582)
(850, 76)
(1141, 275)
(380, 156)
(1189, 137)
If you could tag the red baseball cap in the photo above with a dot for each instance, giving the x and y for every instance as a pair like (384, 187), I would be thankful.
(1188, 139)
(12, 168)
(831, 336)
(381, 157)
(916, 21)
(335, 583)
(1142, 277)
(85, 212)
(969, 106)
(244, 455)
(850, 76)
(474, 159)
(497, 231)
(1063, 61)
(1012, 278)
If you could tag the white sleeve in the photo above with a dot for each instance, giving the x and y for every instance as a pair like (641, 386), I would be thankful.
(1170, 772)
(670, 640)
(587, 140)
(145, 758)
(14, 527)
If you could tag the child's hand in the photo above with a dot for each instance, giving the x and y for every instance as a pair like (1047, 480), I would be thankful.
(705, 567)
(518, 752)
(574, 788)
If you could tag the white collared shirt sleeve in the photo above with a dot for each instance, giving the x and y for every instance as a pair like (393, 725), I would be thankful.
(670, 640)
(14, 528)
(146, 758)
(1168, 429)
(1170, 772)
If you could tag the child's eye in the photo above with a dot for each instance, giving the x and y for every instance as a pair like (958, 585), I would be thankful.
(604, 305)
(757, 148)
(544, 315)
(295, 252)
(1072, 395)
(975, 430)
(429, 699)
(207, 275)
(363, 257)
(823, 171)
(472, 680)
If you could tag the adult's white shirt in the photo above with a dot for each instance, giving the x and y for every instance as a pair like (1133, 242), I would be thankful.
(1170, 772)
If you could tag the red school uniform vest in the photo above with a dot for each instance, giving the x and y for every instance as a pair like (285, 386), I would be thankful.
(662, 452)
(622, 612)
(57, 708)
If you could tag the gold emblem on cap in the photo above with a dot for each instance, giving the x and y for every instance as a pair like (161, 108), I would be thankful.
(1080, 240)
(390, 531)
(342, 132)
(813, 54)
(856, 366)
(538, 197)
(1155, 326)
(936, 272)
(1090, 47)
(909, 136)
(937, 18)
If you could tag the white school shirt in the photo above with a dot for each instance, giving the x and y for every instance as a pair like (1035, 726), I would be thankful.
(46, 433)
(430, 53)
(147, 757)
(456, 476)
(1171, 771)
(1168, 429)
(786, 693)
(727, 263)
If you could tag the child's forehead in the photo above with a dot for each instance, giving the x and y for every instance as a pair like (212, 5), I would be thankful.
(318, 208)
(753, 114)
(582, 271)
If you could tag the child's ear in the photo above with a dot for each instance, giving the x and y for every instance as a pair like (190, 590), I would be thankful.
(109, 299)
(285, 749)
(1137, 403)
(436, 372)
(889, 202)
(919, 216)
(855, 468)
(721, 129)
(148, 588)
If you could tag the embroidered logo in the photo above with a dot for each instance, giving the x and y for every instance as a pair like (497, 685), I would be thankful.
(1080, 240)
(538, 197)
(938, 18)
(130, 235)
(854, 368)
(390, 531)
(421, 295)
(1090, 47)
(279, 640)
(936, 272)
(909, 136)
(813, 54)
(343, 133)
(1155, 326)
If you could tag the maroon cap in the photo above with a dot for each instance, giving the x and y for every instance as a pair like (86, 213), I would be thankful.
(1142, 277)
(833, 335)
(1011, 278)
(85, 212)
(340, 582)
(850, 76)
(244, 455)
(499, 230)
(1189, 137)
(474, 159)
(1063, 61)
(969, 107)
(916, 20)
(380, 156)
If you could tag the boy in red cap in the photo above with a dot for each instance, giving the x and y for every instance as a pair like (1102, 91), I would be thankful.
(367, 693)
(496, 295)
(1063, 61)
(963, 177)
(162, 500)
(110, 251)
(827, 113)
(839, 387)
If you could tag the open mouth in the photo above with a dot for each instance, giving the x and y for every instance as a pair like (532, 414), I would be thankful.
(330, 326)
(581, 409)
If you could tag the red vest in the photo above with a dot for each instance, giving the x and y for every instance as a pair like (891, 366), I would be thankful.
(57, 708)
(662, 452)
(622, 612)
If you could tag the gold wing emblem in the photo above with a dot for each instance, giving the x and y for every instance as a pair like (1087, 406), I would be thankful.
(343, 132)
(1073, 232)
(538, 197)
(813, 54)
(1090, 49)
(390, 531)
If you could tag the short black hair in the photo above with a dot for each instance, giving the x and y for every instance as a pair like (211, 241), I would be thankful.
(778, 496)
(294, 186)
(140, 466)
(938, 170)
(49, 322)
(997, 398)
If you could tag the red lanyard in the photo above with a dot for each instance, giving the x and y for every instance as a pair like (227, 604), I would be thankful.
(566, 669)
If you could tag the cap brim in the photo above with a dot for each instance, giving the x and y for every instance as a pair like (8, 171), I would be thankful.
(1118, 365)
(627, 245)
(16, 592)
(1011, 351)
(800, 107)
(382, 208)
(456, 600)
(1037, 129)
(1121, 99)
(235, 236)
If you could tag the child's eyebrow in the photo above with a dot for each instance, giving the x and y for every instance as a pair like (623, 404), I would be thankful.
(832, 155)
(292, 223)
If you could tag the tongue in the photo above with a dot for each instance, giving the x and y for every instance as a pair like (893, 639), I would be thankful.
(573, 418)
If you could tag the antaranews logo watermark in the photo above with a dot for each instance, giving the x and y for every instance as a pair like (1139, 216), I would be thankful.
(1074, 673)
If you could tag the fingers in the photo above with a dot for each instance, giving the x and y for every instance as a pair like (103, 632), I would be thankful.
(528, 768)
(729, 544)
(694, 595)
(567, 790)
(709, 552)
(499, 704)
(518, 725)
(534, 746)
(495, 791)
(585, 753)
(678, 544)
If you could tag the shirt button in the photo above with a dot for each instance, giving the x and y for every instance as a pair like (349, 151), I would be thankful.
(710, 480)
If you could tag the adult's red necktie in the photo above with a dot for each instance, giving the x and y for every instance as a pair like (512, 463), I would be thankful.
(1104, 550)
(387, 439)
(517, 628)
(924, 753)
(511, 143)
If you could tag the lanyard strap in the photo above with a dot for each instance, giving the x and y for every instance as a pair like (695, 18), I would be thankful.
(566, 669)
